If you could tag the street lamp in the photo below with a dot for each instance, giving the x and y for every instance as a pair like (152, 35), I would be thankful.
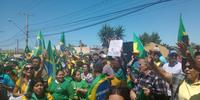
(26, 33)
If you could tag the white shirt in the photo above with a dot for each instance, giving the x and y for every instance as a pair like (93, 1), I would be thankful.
(176, 69)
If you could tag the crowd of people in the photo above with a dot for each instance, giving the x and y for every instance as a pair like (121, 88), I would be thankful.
(81, 76)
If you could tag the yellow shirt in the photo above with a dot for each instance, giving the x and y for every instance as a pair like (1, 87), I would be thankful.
(22, 85)
(189, 91)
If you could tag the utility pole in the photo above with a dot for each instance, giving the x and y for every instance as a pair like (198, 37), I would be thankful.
(17, 48)
(26, 32)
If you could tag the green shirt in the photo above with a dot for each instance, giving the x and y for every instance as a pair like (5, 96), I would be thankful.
(34, 97)
(68, 78)
(81, 85)
(61, 91)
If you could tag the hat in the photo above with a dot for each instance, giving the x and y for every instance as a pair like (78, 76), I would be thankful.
(172, 52)
(156, 48)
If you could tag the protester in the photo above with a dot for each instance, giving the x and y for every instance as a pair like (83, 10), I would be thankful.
(67, 75)
(189, 83)
(39, 69)
(100, 82)
(6, 84)
(119, 93)
(37, 91)
(153, 86)
(86, 75)
(79, 85)
(22, 84)
(59, 88)
(173, 66)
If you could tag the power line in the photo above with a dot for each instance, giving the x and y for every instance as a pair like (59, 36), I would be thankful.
(117, 13)
(145, 6)
(80, 10)
(90, 18)
(11, 38)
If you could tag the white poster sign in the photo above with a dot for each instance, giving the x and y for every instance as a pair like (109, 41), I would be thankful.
(115, 48)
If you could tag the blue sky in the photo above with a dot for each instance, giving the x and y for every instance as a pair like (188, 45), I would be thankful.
(54, 16)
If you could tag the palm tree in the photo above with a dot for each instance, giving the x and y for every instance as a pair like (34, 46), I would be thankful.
(146, 38)
(108, 33)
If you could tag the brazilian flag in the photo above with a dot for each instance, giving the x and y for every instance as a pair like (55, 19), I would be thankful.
(138, 47)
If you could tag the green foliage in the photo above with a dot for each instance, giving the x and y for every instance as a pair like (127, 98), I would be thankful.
(147, 38)
(108, 33)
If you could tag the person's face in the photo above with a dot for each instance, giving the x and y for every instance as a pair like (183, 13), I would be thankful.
(190, 72)
(95, 57)
(115, 97)
(78, 76)
(35, 62)
(143, 66)
(28, 70)
(67, 72)
(8, 72)
(197, 59)
(38, 88)
(115, 65)
(172, 58)
(85, 69)
(60, 76)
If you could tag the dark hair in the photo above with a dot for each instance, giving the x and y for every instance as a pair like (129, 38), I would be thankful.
(75, 71)
(98, 67)
(96, 54)
(31, 85)
(121, 91)
(196, 54)
(58, 71)
(186, 61)
(35, 81)
(38, 58)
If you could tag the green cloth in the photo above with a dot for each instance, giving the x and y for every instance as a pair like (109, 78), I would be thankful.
(181, 31)
(34, 97)
(120, 75)
(138, 47)
(68, 78)
(61, 91)
(130, 84)
(81, 85)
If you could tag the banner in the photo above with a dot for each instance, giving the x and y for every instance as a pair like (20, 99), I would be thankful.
(115, 48)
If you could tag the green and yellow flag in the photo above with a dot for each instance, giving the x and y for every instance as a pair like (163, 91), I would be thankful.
(182, 35)
(41, 46)
(50, 61)
(138, 47)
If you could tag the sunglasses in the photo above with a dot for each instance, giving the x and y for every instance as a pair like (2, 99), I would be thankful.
(188, 66)
(28, 68)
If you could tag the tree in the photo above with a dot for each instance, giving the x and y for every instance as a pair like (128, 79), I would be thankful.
(155, 38)
(108, 33)
(146, 38)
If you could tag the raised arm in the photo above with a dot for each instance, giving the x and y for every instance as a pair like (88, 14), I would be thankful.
(164, 74)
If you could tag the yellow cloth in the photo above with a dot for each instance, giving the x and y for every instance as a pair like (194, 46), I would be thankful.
(116, 82)
(49, 97)
(187, 91)
(22, 85)
(50, 80)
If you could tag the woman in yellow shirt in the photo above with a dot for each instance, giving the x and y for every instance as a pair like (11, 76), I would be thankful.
(21, 85)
